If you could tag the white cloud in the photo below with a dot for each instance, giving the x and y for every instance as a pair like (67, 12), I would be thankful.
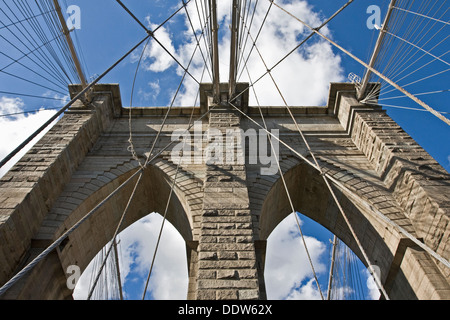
(287, 265)
(160, 60)
(155, 87)
(11, 105)
(303, 78)
(169, 275)
(151, 92)
(16, 128)
(169, 278)
(63, 99)
(374, 292)
(308, 291)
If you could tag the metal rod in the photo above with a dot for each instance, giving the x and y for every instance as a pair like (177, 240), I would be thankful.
(378, 46)
(234, 40)
(133, 16)
(116, 258)
(215, 46)
(69, 41)
(330, 279)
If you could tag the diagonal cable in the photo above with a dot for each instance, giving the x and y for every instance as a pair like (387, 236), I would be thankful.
(151, 34)
(44, 61)
(197, 39)
(67, 106)
(422, 15)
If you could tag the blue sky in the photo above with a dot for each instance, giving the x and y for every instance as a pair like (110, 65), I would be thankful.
(107, 32)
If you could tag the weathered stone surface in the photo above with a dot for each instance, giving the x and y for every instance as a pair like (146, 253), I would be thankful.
(226, 211)
(225, 197)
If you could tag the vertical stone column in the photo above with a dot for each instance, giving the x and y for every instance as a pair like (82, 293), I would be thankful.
(226, 251)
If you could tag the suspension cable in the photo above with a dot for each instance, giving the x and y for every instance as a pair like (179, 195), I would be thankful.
(417, 47)
(33, 71)
(67, 106)
(422, 15)
(32, 82)
(197, 39)
(25, 55)
(32, 96)
(41, 64)
(410, 56)
(246, 37)
(45, 63)
(290, 52)
(256, 39)
(26, 19)
(392, 83)
(152, 34)
(401, 107)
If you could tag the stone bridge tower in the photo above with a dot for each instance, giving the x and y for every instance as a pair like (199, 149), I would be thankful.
(226, 211)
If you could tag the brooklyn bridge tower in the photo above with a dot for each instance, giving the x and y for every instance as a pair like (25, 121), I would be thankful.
(346, 165)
